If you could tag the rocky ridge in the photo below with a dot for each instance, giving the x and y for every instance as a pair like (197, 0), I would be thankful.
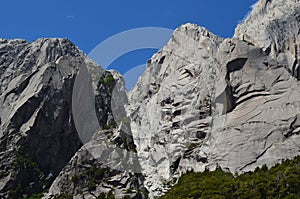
(38, 134)
(274, 26)
(203, 102)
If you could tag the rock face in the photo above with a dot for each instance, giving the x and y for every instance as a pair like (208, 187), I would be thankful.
(38, 136)
(108, 162)
(69, 127)
(170, 108)
(274, 26)
(206, 101)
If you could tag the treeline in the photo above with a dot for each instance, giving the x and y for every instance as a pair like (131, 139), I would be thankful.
(280, 181)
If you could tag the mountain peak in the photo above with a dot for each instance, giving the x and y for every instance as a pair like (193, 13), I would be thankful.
(204, 102)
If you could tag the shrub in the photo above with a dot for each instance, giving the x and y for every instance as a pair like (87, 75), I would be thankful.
(64, 196)
(36, 196)
(91, 185)
(17, 192)
(108, 80)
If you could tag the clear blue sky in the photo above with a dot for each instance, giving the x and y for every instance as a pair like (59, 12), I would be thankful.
(89, 22)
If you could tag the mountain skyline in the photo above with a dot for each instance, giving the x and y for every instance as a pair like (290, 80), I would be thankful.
(88, 24)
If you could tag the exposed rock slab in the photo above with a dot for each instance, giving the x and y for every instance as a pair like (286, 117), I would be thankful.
(206, 101)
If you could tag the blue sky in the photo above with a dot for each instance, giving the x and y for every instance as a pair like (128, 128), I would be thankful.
(87, 23)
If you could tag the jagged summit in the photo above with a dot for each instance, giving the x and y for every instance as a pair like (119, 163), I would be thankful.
(203, 102)
(38, 136)
(274, 26)
(193, 27)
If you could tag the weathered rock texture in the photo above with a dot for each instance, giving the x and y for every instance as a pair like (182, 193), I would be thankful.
(274, 26)
(108, 161)
(37, 136)
(206, 101)
(203, 101)
(37, 128)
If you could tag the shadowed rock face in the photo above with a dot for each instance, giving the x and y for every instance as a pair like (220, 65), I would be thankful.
(203, 101)
(37, 136)
(37, 130)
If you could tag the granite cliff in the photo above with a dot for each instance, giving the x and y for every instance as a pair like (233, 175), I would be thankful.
(203, 102)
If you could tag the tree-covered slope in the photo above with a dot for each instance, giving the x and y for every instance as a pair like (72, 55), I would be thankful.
(280, 181)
